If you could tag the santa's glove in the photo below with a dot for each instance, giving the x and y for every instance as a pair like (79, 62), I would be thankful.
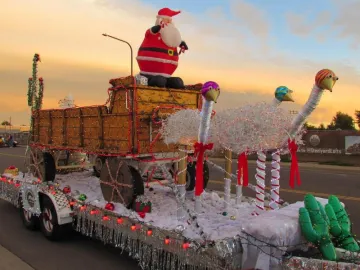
(183, 45)
(155, 29)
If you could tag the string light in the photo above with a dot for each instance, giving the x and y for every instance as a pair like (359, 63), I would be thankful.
(120, 220)
(94, 212)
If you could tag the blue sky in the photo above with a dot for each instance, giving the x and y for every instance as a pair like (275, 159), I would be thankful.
(306, 47)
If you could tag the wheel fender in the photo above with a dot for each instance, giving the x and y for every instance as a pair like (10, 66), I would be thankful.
(62, 206)
(29, 196)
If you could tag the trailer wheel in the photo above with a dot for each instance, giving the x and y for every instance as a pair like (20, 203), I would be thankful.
(117, 182)
(29, 220)
(137, 181)
(99, 163)
(42, 165)
(49, 222)
(191, 175)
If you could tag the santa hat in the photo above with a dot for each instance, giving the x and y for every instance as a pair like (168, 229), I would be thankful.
(166, 13)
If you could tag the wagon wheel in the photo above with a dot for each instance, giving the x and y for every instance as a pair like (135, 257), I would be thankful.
(116, 182)
(40, 164)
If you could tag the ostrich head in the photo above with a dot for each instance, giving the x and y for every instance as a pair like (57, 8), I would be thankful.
(282, 93)
(326, 79)
(210, 91)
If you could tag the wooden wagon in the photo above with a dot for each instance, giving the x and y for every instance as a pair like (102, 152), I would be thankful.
(121, 137)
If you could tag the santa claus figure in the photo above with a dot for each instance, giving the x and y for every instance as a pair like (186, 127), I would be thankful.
(158, 54)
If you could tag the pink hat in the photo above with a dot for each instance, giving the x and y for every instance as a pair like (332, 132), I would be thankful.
(167, 13)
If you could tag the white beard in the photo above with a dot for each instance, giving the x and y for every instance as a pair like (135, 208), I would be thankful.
(170, 35)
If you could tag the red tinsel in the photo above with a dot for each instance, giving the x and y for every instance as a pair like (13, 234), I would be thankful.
(200, 149)
(243, 170)
(294, 169)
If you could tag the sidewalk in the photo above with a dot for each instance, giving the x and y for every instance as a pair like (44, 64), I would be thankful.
(310, 165)
(8, 261)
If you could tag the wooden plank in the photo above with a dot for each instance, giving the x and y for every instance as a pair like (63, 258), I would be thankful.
(101, 128)
(64, 128)
(50, 129)
(81, 129)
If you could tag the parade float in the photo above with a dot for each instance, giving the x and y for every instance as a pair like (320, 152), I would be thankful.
(154, 123)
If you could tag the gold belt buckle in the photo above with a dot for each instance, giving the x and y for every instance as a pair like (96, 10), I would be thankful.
(170, 52)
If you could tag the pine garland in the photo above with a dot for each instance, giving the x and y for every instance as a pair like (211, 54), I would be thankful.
(35, 93)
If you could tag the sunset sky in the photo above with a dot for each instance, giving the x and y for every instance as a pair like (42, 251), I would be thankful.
(248, 47)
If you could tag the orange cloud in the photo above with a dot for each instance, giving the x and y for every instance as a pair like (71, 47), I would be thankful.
(76, 58)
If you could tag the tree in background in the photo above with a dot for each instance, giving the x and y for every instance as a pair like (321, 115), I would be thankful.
(357, 117)
(312, 127)
(322, 127)
(342, 121)
(5, 123)
(309, 126)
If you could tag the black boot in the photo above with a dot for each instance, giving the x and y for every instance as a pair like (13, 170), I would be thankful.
(175, 83)
(157, 81)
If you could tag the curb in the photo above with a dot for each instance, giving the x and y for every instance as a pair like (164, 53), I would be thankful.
(10, 261)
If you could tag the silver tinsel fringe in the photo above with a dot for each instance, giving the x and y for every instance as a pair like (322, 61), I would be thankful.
(9, 191)
(152, 252)
(297, 263)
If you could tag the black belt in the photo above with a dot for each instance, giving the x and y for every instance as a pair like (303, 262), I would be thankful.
(170, 52)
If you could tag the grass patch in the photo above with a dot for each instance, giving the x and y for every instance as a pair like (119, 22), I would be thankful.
(336, 163)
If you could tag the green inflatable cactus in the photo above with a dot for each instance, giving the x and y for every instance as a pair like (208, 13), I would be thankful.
(314, 224)
(340, 225)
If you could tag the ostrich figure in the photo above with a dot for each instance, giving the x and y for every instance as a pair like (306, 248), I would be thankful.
(189, 126)
(210, 92)
(282, 93)
(325, 79)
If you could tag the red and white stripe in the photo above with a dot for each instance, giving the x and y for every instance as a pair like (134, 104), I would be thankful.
(275, 183)
(260, 182)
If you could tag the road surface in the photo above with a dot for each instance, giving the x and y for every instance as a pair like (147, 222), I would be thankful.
(78, 252)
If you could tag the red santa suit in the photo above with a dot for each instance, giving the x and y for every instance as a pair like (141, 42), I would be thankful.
(154, 56)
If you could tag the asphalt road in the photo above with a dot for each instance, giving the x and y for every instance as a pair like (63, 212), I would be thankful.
(78, 252)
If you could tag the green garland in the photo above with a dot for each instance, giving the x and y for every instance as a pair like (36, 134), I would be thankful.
(35, 95)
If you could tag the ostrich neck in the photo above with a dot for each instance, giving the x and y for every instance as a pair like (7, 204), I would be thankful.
(206, 111)
(276, 102)
(309, 107)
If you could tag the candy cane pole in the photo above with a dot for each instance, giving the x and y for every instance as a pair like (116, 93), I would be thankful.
(260, 182)
(210, 92)
(275, 183)
(227, 179)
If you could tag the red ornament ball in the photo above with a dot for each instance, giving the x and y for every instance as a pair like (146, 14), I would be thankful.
(110, 206)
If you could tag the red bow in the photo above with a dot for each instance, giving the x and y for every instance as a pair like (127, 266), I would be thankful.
(294, 169)
(200, 149)
(243, 170)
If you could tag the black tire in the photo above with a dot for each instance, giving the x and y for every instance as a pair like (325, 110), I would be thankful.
(48, 221)
(50, 167)
(46, 164)
(99, 163)
(30, 221)
(137, 181)
(191, 175)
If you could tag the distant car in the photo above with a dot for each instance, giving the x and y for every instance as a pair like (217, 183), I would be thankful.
(2, 144)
